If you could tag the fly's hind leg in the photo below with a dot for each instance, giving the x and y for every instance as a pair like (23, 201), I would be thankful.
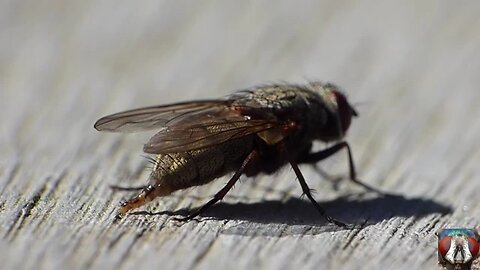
(219, 195)
(323, 154)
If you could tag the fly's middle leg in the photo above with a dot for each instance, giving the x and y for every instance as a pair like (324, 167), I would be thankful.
(306, 191)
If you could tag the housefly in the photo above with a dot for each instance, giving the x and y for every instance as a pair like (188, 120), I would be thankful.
(253, 131)
(457, 247)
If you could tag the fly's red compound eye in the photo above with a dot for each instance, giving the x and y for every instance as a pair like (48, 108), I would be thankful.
(473, 246)
(444, 245)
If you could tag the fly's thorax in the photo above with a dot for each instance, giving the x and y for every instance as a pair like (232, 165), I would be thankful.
(270, 101)
(310, 107)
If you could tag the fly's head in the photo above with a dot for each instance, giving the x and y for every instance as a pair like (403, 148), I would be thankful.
(340, 111)
(345, 110)
(457, 247)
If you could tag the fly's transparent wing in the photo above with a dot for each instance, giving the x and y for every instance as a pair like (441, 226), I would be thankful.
(190, 136)
(156, 117)
(191, 125)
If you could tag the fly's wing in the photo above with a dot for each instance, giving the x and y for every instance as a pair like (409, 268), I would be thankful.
(191, 125)
(154, 117)
(197, 133)
(210, 127)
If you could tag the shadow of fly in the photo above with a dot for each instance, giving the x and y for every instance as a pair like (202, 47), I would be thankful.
(257, 130)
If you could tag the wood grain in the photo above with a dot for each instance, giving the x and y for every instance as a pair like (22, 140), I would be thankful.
(412, 68)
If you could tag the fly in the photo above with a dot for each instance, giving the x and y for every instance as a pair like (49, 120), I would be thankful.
(253, 131)
(457, 247)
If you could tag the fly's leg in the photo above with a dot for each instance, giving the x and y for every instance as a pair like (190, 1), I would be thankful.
(219, 195)
(306, 191)
(323, 154)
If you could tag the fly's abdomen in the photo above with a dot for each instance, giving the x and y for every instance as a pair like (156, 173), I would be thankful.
(182, 170)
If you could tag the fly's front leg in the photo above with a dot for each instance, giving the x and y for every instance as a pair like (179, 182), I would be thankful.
(323, 154)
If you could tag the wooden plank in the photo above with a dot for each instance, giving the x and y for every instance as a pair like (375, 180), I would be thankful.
(411, 66)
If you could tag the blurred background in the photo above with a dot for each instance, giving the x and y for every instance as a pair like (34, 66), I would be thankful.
(411, 67)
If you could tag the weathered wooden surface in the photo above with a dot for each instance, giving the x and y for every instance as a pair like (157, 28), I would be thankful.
(413, 67)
